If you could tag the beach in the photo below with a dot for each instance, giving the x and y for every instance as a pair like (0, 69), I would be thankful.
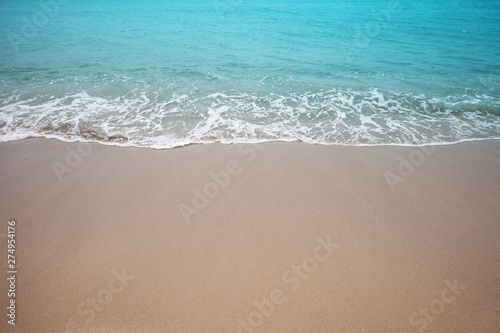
(271, 237)
(206, 166)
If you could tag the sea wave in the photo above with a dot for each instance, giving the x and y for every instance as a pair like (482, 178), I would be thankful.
(145, 116)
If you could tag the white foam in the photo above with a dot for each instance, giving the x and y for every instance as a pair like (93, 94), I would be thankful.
(153, 118)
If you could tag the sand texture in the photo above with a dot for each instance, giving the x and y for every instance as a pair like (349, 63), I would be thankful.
(277, 237)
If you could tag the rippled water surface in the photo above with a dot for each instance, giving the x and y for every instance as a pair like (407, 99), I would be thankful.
(168, 73)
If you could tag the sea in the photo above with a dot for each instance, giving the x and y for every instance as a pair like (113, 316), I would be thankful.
(169, 73)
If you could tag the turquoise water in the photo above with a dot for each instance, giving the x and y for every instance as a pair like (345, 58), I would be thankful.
(168, 73)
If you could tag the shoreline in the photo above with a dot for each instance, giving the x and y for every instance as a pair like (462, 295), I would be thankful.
(122, 145)
(271, 237)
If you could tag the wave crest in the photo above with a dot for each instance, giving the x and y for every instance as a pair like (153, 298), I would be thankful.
(165, 118)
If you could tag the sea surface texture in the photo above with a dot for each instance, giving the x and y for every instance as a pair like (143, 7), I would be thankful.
(169, 73)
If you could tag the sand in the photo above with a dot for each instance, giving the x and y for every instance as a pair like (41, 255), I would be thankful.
(278, 237)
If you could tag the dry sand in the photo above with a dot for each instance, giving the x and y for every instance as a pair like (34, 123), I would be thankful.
(104, 247)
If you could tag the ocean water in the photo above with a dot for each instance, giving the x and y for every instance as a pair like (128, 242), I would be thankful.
(167, 73)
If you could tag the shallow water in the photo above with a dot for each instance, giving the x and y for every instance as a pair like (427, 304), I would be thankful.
(168, 73)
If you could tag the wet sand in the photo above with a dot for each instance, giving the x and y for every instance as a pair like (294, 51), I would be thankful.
(278, 237)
